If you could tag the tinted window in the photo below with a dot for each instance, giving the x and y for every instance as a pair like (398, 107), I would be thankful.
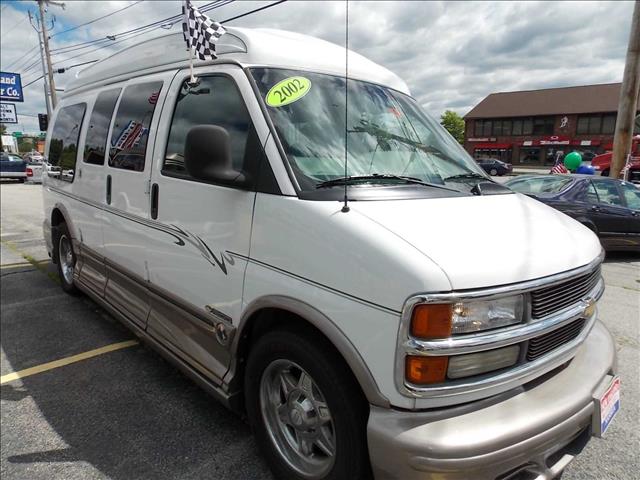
(96, 143)
(517, 127)
(590, 194)
(543, 126)
(608, 193)
(631, 195)
(215, 101)
(583, 125)
(550, 184)
(63, 147)
(131, 126)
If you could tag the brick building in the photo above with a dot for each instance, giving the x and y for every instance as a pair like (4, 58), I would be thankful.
(533, 127)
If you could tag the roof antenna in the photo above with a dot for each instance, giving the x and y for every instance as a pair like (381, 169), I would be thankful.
(345, 207)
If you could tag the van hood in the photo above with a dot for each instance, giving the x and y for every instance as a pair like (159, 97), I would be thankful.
(484, 241)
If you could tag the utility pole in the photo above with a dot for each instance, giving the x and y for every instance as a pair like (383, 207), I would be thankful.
(628, 97)
(45, 38)
(44, 70)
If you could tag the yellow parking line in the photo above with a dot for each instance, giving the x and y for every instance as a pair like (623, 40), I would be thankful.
(66, 361)
(22, 264)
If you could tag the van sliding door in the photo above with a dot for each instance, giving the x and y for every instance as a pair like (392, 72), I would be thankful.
(127, 227)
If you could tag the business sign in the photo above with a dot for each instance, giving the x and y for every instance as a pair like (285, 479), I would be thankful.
(8, 113)
(483, 139)
(11, 87)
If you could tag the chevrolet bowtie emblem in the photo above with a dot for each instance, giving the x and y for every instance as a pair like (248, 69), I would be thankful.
(590, 307)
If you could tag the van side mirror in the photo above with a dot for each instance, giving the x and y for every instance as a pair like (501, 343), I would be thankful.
(207, 156)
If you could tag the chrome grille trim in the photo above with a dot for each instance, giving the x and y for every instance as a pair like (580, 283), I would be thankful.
(481, 386)
(544, 344)
(548, 300)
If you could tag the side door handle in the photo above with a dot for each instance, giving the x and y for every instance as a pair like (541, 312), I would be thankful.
(108, 189)
(595, 208)
(155, 191)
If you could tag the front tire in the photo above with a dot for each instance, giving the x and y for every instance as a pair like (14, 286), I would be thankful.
(307, 412)
(605, 173)
(493, 172)
(66, 259)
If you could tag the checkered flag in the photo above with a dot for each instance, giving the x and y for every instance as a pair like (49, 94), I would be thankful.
(200, 32)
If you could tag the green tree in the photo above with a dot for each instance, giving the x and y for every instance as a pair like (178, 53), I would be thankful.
(454, 124)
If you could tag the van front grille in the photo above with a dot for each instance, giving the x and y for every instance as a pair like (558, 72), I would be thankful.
(543, 344)
(548, 300)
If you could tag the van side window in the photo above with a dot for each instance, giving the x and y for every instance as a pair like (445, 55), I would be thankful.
(63, 147)
(215, 101)
(131, 126)
(95, 145)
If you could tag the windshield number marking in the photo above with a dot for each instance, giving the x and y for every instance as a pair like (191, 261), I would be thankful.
(288, 91)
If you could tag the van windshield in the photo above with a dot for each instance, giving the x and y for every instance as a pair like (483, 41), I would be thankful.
(387, 134)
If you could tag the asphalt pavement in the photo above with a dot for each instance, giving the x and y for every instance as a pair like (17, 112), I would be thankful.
(128, 414)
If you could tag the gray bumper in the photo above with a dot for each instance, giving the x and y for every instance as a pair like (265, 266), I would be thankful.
(489, 438)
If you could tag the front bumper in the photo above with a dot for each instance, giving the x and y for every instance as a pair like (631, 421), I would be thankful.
(490, 438)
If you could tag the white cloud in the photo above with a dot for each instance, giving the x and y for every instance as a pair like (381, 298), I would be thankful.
(452, 54)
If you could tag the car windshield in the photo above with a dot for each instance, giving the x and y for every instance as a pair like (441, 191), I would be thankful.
(550, 184)
(388, 136)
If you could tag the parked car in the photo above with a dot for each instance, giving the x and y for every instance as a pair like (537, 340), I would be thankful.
(34, 172)
(609, 207)
(12, 167)
(495, 167)
(33, 157)
(355, 318)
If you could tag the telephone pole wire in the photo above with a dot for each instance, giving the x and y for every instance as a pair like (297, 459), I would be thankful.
(628, 103)
(44, 70)
(45, 39)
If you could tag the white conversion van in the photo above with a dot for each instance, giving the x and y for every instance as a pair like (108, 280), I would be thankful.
(372, 339)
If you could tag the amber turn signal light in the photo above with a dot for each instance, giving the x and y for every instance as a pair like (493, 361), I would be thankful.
(431, 321)
(426, 370)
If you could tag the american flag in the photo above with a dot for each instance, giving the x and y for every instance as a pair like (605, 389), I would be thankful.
(558, 167)
(200, 32)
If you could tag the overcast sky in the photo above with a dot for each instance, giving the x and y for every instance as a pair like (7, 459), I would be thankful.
(451, 54)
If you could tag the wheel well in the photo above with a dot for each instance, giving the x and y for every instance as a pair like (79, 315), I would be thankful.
(270, 319)
(56, 219)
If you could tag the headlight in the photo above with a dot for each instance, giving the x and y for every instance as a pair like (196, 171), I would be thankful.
(431, 321)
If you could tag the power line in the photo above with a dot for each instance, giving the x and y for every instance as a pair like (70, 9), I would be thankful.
(97, 19)
(23, 60)
(253, 11)
(14, 27)
(205, 8)
(32, 82)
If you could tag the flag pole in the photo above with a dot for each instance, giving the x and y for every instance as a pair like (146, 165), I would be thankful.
(192, 79)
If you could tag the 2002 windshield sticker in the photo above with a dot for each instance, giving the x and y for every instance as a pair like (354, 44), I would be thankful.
(288, 91)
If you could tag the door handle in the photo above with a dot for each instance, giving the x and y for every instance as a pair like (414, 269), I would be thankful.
(595, 208)
(108, 189)
(154, 200)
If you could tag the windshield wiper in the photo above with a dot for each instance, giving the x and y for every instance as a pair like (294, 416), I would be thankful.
(467, 175)
(376, 176)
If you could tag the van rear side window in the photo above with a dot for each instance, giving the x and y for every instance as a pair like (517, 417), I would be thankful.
(96, 143)
(131, 127)
(63, 148)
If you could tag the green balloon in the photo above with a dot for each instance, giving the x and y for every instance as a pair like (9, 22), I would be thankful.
(572, 161)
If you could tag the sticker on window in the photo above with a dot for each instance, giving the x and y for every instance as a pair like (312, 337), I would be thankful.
(288, 91)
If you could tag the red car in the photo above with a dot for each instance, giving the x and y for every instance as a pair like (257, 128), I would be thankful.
(602, 163)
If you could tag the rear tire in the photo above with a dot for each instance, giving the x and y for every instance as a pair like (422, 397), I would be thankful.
(605, 173)
(493, 172)
(65, 259)
(308, 414)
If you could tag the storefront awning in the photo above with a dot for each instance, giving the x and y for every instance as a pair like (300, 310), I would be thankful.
(492, 146)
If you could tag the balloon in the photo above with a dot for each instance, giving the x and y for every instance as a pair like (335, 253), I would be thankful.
(586, 170)
(572, 160)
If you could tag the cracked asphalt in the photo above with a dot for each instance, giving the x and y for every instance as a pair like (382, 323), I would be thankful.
(129, 414)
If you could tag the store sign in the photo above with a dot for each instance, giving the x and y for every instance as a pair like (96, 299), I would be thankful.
(485, 139)
(8, 113)
(555, 140)
(11, 87)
